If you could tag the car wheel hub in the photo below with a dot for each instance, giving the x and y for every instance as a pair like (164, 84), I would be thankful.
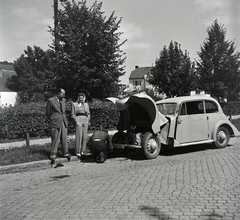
(152, 146)
(221, 136)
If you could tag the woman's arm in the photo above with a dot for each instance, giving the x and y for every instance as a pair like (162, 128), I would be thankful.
(73, 112)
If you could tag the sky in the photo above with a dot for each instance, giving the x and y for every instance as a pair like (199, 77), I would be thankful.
(148, 26)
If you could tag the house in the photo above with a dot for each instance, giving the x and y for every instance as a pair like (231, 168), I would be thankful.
(137, 81)
(137, 78)
(7, 97)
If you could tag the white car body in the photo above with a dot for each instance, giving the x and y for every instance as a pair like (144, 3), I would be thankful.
(194, 120)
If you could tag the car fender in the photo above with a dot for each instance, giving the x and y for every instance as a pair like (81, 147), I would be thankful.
(232, 129)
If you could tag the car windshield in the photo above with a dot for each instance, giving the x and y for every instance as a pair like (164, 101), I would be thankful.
(167, 108)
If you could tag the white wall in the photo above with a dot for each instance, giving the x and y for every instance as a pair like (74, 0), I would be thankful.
(8, 98)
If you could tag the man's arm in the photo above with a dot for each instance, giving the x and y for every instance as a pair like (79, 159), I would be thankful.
(73, 116)
(48, 109)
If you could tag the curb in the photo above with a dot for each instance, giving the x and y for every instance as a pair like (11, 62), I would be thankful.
(36, 164)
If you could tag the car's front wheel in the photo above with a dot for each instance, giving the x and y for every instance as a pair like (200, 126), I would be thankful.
(151, 145)
(222, 137)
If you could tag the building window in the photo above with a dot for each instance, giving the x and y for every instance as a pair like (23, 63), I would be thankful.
(136, 83)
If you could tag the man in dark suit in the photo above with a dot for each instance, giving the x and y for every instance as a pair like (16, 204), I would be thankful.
(56, 113)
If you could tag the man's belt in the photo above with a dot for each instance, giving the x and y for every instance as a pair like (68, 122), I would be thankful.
(97, 139)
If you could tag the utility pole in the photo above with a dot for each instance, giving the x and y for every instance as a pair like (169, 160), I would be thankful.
(55, 5)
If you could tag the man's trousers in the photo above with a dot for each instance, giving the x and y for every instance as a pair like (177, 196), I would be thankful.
(59, 135)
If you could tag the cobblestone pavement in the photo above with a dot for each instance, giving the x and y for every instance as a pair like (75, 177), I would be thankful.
(184, 183)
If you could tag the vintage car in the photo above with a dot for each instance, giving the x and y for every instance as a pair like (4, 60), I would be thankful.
(195, 120)
(139, 124)
(173, 122)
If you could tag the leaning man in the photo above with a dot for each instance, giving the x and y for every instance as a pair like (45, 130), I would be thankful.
(99, 144)
(56, 113)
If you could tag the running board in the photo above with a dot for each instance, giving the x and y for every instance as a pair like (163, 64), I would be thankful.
(195, 143)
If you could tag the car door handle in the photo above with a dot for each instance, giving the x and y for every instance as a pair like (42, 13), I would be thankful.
(179, 121)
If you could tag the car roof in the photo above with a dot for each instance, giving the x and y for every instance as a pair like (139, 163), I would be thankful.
(186, 98)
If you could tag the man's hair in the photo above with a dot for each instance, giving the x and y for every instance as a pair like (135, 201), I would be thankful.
(59, 90)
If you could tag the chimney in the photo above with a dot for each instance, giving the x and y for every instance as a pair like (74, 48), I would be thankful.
(136, 67)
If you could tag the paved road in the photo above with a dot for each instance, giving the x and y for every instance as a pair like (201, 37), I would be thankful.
(185, 183)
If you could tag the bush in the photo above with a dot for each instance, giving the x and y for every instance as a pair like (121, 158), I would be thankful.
(103, 113)
(30, 118)
(231, 108)
(21, 119)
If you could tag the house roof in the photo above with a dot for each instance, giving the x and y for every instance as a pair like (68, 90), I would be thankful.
(139, 72)
(6, 67)
(6, 71)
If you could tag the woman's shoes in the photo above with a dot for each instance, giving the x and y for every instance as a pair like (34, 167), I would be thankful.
(68, 156)
(78, 155)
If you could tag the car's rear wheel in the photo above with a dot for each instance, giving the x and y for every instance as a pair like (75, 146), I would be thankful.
(222, 137)
(151, 145)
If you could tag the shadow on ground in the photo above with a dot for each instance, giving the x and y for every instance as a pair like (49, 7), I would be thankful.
(155, 213)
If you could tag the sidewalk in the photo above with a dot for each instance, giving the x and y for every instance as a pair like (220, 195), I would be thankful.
(38, 141)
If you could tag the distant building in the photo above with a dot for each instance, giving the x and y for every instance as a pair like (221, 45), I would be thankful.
(7, 97)
(137, 78)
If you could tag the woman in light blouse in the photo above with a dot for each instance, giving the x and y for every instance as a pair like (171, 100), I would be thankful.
(81, 115)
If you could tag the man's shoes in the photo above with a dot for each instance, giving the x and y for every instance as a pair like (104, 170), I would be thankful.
(97, 158)
(102, 157)
(53, 157)
(52, 162)
(87, 152)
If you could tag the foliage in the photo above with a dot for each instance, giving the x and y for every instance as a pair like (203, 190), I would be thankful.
(6, 62)
(103, 113)
(31, 79)
(21, 119)
(219, 67)
(30, 118)
(231, 108)
(90, 58)
(173, 72)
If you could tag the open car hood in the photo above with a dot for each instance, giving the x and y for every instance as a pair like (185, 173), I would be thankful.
(156, 118)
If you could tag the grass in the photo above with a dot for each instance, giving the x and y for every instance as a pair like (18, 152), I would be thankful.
(236, 122)
(28, 154)
(41, 152)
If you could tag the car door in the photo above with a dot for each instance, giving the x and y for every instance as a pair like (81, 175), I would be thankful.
(192, 124)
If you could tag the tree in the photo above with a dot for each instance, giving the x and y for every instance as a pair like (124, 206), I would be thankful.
(219, 67)
(31, 76)
(173, 72)
(90, 58)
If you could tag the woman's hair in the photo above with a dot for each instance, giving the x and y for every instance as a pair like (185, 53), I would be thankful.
(81, 94)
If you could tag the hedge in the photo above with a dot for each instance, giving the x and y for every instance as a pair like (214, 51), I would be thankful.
(231, 108)
(30, 118)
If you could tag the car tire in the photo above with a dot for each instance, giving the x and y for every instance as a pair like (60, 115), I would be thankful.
(151, 145)
(222, 137)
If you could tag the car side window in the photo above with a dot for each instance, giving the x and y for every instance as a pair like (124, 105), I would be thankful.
(195, 107)
(183, 110)
(211, 107)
